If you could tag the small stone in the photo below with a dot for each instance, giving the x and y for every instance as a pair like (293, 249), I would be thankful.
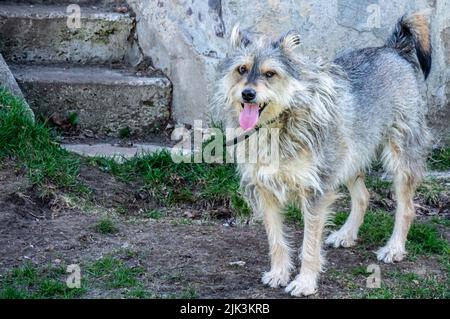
(57, 261)
(239, 263)
(88, 133)
(230, 223)
(122, 9)
(191, 215)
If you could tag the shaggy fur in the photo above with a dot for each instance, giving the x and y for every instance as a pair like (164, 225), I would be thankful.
(332, 120)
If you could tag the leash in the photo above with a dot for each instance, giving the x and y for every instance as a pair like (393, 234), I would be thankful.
(240, 138)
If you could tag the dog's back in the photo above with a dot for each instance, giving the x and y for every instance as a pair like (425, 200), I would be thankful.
(384, 86)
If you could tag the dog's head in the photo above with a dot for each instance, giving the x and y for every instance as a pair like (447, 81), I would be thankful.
(260, 78)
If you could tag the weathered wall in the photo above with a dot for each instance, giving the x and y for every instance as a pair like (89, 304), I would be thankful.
(8, 81)
(185, 38)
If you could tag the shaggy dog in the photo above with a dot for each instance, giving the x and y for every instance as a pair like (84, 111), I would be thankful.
(332, 120)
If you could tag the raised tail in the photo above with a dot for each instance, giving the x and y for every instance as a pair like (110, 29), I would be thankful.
(411, 39)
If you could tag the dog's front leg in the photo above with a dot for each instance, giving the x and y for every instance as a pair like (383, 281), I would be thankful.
(280, 256)
(314, 215)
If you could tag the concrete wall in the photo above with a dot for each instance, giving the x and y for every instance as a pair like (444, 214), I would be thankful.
(186, 38)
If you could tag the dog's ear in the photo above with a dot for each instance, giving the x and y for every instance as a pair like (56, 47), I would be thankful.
(238, 38)
(289, 41)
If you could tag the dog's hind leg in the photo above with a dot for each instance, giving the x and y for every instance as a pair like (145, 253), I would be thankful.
(315, 216)
(347, 235)
(407, 165)
(280, 252)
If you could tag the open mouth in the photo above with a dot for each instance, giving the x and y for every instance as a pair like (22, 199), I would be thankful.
(261, 106)
(249, 116)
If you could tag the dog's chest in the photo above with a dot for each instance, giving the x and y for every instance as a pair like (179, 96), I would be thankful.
(282, 178)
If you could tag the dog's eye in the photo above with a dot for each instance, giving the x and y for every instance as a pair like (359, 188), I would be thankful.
(242, 69)
(269, 74)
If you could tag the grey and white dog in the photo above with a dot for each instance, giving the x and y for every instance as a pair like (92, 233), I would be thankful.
(333, 118)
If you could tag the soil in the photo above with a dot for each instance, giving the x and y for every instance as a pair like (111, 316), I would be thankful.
(50, 229)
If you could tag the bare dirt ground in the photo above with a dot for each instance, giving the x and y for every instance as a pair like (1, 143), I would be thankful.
(176, 254)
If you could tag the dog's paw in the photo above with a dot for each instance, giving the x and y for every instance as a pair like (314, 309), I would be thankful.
(341, 238)
(276, 279)
(391, 253)
(302, 286)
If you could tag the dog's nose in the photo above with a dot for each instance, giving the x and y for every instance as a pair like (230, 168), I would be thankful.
(248, 95)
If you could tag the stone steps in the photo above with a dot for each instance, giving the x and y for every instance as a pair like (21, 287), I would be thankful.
(41, 34)
(83, 72)
(116, 152)
(105, 101)
(79, 2)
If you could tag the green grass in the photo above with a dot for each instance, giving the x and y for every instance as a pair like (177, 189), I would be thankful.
(378, 185)
(431, 191)
(108, 274)
(111, 273)
(30, 282)
(410, 286)
(106, 226)
(439, 159)
(33, 146)
(180, 183)
(189, 293)
(423, 238)
(293, 215)
(125, 132)
(153, 214)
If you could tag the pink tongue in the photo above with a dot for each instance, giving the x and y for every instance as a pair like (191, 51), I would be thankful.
(249, 116)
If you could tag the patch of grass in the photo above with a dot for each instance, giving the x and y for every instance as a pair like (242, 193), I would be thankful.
(293, 214)
(189, 293)
(360, 270)
(431, 191)
(111, 273)
(74, 119)
(106, 226)
(125, 132)
(33, 145)
(139, 293)
(239, 206)
(108, 273)
(441, 221)
(174, 183)
(153, 214)
(30, 282)
(439, 159)
(423, 237)
(409, 285)
(181, 221)
(378, 185)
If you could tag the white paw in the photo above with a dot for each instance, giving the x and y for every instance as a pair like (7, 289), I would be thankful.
(302, 285)
(391, 253)
(275, 278)
(341, 238)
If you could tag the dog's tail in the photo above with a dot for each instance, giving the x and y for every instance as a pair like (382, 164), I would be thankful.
(411, 39)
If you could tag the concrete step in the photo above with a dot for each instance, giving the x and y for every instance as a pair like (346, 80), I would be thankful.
(41, 34)
(113, 151)
(79, 2)
(121, 153)
(105, 101)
